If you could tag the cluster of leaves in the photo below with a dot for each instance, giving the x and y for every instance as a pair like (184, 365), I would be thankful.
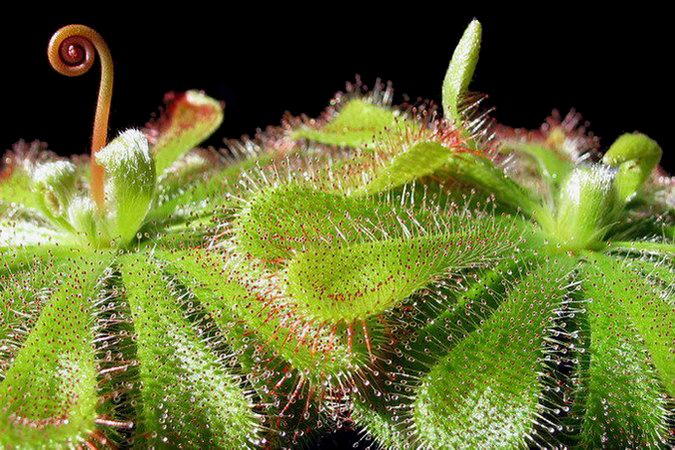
(436, 282)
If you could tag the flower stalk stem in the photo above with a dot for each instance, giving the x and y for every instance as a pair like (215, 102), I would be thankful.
(72, 51)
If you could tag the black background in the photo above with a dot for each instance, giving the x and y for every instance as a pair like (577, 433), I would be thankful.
(614, 66)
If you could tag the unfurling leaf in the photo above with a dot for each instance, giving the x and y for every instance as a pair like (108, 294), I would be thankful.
(130, 172)
(636, 156)
(587, 206)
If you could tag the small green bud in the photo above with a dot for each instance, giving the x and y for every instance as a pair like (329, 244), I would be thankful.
(635, 155)
(460, 71)
(54, 185)
(130, 182)
(587, 206)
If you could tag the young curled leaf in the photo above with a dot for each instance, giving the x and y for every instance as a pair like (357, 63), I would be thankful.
(190, 118)
(83, 217)
(587, 206)
(131, 182)
(636, 156)
(460, 71)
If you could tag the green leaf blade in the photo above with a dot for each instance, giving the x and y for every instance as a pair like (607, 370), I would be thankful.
(648, 307)
(486, 391)
(624, 404)
(49, 395)
(363, 280)
(356, 124)
(481, 172)
(188, 394)
(422, 159)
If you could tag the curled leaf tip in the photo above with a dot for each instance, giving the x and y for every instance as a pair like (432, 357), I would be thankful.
(635, 155)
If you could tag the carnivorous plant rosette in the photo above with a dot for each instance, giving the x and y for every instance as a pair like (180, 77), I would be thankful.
(436, 282)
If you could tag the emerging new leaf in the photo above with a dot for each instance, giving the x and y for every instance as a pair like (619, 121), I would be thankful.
(635, 155)
(131, 182)
(460, 71)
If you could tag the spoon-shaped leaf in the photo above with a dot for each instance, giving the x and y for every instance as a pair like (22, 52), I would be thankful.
(422, 159)
(366, 279)
(49, 395)
(624, 403)
(647, 307)
(481, 172)
(189, 397)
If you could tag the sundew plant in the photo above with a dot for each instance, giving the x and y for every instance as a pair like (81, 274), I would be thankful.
(424, 275)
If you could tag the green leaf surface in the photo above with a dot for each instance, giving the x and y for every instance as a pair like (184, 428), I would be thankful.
(648, 307)
(630, 329)
(362, 280)
(657, 248)
(49, 395)
(189, 397)
(228, 296)
(19, 258)
(486, 392)
(278, 222)
(28, 233)
(16, 187)
(356, 124)
(482, 173)
(178, 200)
(552, 167)
(422, 159)
(460, 71)
(24, 289)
